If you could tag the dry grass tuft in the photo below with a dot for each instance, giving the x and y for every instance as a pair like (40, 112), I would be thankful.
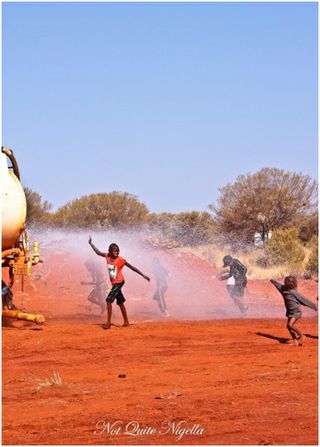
(55, 379)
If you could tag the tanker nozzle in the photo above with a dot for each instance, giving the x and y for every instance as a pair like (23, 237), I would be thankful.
(36, 254)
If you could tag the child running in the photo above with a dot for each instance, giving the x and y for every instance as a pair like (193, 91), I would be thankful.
(293, 300)
(96, 295)
(115, 265)
(161, 277)
(236, 286)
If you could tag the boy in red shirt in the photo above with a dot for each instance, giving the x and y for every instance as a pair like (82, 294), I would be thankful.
(115, 265)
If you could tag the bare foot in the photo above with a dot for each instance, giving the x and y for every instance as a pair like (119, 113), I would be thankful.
(106, 326)
(126, 324)
(293, 342)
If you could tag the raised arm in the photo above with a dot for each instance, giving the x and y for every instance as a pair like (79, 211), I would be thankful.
(277, 285)
(134, 269)
(95, 249)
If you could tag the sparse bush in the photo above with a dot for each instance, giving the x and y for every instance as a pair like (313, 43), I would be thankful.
(262, 261)
(162, 222)
(193, 228)
(37, 208)
(284, 247)
(187, 228)
(115, 210)
(312, 265)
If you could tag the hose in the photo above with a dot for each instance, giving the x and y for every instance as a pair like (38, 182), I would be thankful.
(9, 154)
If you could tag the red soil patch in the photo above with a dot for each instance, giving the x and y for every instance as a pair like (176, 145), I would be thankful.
(239, 382)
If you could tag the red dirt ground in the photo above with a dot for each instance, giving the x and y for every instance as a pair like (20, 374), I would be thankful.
(239, 383)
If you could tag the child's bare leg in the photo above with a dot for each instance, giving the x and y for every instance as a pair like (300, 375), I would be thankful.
(107, 325)
(102, 308)
(102, 304)
(241, 305)
(93, 301)
(124, 314)
(294, 331)
(93, 298)
(297, 331)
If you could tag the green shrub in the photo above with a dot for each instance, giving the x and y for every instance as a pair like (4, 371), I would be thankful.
(262, 261)
(312, 265)
(284, 247)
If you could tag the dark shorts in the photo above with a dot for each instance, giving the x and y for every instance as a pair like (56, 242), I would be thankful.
(236, 291)
(294, 314)
(116, 294)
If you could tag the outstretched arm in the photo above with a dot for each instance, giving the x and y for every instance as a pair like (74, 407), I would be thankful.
(222, 277)
(95, 249)
(305, 301)
(224, 274)
(277, 285)
(133, 268)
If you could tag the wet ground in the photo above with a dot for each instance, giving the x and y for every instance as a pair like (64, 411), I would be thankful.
(212, 378)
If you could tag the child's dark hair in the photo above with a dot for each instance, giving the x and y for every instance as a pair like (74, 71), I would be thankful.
(290, 283)
(113, 246)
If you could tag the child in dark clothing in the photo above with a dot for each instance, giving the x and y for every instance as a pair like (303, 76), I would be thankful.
(7, 296)
(293, 300)
(238, 271)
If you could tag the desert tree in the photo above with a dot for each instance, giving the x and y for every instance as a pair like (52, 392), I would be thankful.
(37, 208)
(115, 210)
(307, 225)
(261, 202)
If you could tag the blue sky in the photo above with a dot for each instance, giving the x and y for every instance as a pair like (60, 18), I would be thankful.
(167, 101)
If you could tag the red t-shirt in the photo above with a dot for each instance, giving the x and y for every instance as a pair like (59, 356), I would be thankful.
(115, 267)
